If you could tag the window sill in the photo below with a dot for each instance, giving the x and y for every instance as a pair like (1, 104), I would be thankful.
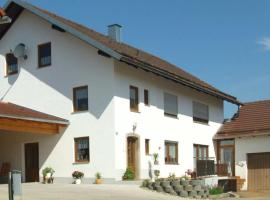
(83, 163)
(171, 115)
(134, 111)
(79, 111)
(44, 66)
(11, 74)
(202, 123)
(171, 163)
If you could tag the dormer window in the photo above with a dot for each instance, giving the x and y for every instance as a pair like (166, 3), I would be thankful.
(44, 55)
(12, 64)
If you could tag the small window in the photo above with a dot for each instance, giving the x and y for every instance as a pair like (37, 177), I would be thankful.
(82, 149)
(147, 145)
(170, 105)
(226, 142)
(171, 152)
(80, 98)
(12, 64)
(44, 55)
(134, 99)
(146, 97)
(200, 112)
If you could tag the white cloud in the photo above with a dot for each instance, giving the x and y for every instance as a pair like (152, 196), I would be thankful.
(265, 42)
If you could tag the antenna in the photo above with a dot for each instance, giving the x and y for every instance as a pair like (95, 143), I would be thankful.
(20, 51)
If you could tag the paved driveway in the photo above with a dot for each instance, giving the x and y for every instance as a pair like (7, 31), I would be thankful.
(85, 192)
(100, 192)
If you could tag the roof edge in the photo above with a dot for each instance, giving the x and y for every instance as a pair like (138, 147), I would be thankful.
(67, 28)
(62, 122)
(242, 134)
(182, 81)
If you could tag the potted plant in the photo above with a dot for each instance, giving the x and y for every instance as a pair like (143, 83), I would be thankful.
(155, 155)
(98, 178)
(77, 175)
(47, 173)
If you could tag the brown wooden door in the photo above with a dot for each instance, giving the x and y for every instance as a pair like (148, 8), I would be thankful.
(259, 171)
(31, 162)
(132, 156)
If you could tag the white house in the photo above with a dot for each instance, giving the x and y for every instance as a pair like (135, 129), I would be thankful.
(244, 143)
(75, 99)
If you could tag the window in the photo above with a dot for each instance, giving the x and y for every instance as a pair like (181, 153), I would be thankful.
(171, 152)
(12, 64)
(44, 55)
(80, 98)
(200, 112)
(147, 145)
(82, 149)
(200, 151)
(146, 97)
(170, 105)
(134, 99)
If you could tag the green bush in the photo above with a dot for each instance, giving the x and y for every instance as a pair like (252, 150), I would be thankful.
(216, 190)
(129, 174)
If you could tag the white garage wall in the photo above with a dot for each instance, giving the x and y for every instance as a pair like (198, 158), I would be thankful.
(243, 146)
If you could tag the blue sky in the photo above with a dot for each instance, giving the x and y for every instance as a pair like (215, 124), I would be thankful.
(225, 43)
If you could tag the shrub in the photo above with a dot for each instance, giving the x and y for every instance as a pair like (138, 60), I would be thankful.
(145, 183)
(171, 177)
(216, 190)
(129, 174)
(77, 174)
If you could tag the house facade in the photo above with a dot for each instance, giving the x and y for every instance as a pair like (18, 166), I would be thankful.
(94, 104)
(244, 145)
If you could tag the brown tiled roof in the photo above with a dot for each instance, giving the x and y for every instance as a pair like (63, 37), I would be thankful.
(11, 110)
(134, 53)
(140, 56)
(252, 118)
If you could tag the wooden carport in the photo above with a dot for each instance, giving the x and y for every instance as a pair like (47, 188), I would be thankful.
(15, 118)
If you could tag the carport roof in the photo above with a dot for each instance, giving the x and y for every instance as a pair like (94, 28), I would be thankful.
(252, 119)
(10, 110)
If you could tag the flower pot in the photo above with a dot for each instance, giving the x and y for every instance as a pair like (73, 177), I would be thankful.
(156, 162)
(48, 175)
(78, 181)
(98, 181)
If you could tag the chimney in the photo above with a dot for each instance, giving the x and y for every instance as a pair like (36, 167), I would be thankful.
(114, 32)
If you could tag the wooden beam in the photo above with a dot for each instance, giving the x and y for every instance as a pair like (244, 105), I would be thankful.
(26, 126)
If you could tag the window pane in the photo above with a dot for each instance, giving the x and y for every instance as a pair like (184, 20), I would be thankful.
(44, 54)
(146, 97)
(170, 104)
(81, 149)
(146, 146)
(171, 152)
(12, 64)
(200, 111)
(133, 96)
(81, 98)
